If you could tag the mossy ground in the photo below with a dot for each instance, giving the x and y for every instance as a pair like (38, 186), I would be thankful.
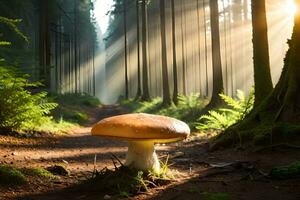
(38, 172)
(11, 176)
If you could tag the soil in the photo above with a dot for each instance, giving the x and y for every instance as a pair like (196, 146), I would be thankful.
(237, 173)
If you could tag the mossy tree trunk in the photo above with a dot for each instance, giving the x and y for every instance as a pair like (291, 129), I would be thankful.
(279, 113)
(262, 75)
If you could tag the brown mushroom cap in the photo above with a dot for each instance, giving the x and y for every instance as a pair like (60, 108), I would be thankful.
(142, 127)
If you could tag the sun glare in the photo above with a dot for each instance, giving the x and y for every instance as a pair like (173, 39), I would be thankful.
(291, 7)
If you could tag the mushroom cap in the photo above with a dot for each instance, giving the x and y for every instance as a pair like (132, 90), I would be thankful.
(141, 126)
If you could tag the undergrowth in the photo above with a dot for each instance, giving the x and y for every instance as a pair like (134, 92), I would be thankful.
(235, 110)
(21, 109)
(124, 181)
(73, 107)
(187, 110)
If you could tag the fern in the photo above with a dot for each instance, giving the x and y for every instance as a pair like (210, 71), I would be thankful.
(235, 111)
(19, 108)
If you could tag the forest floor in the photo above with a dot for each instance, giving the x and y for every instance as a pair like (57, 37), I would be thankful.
(219, 175)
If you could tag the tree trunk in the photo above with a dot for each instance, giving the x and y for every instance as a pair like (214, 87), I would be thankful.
(145, 94)
(205, 44)
(262, 75)
(277, 118)
(182, 48)
(125, 49)
(175, 92)
(44, 43)
(216, 55)
(166, 89)
(139, 90)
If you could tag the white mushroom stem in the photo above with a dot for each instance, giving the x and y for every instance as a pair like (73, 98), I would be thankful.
(141, 155)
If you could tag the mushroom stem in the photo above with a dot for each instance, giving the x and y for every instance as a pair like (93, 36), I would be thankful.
(141, 155)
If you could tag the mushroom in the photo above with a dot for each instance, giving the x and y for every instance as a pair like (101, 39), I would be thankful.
(142, 131)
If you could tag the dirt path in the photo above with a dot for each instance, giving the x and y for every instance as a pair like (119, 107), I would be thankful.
(77, 152)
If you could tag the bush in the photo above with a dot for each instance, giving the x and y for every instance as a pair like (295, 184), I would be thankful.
(235, 111)
(19, 108)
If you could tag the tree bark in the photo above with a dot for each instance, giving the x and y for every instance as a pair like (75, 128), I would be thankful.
(125, 49)
(145, 93)
(272, 119)
(44, 43)
(166, 89)
(262, 76)
(139, 90)
(216, 55)
(175, 91)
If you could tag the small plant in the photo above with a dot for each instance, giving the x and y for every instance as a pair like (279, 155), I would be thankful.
(11, 176)
(19, 108)
(235, 111)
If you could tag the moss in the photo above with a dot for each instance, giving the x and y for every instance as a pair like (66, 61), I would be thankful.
(11, 176)
(284, 172)
(215, 196)
(38, 172)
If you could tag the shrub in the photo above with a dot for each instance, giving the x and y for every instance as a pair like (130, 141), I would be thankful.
(19, 108)
(235, 111)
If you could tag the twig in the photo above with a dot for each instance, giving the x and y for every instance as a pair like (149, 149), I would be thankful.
(113, 155)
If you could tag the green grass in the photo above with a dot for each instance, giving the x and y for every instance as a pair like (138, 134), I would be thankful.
(11, 176)
(56, 126)
(76, 100)
(74, 108)
(187, 110)
(38, 172)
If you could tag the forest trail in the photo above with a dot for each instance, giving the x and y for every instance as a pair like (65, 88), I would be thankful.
(232, 172)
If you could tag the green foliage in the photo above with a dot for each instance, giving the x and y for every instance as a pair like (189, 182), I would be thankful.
(19, 108)
(289, 171)
(38, 172)
(73, 107)
(77, 100)
(12, 24)
(187, 110)
(223, 118)
(11, 176)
